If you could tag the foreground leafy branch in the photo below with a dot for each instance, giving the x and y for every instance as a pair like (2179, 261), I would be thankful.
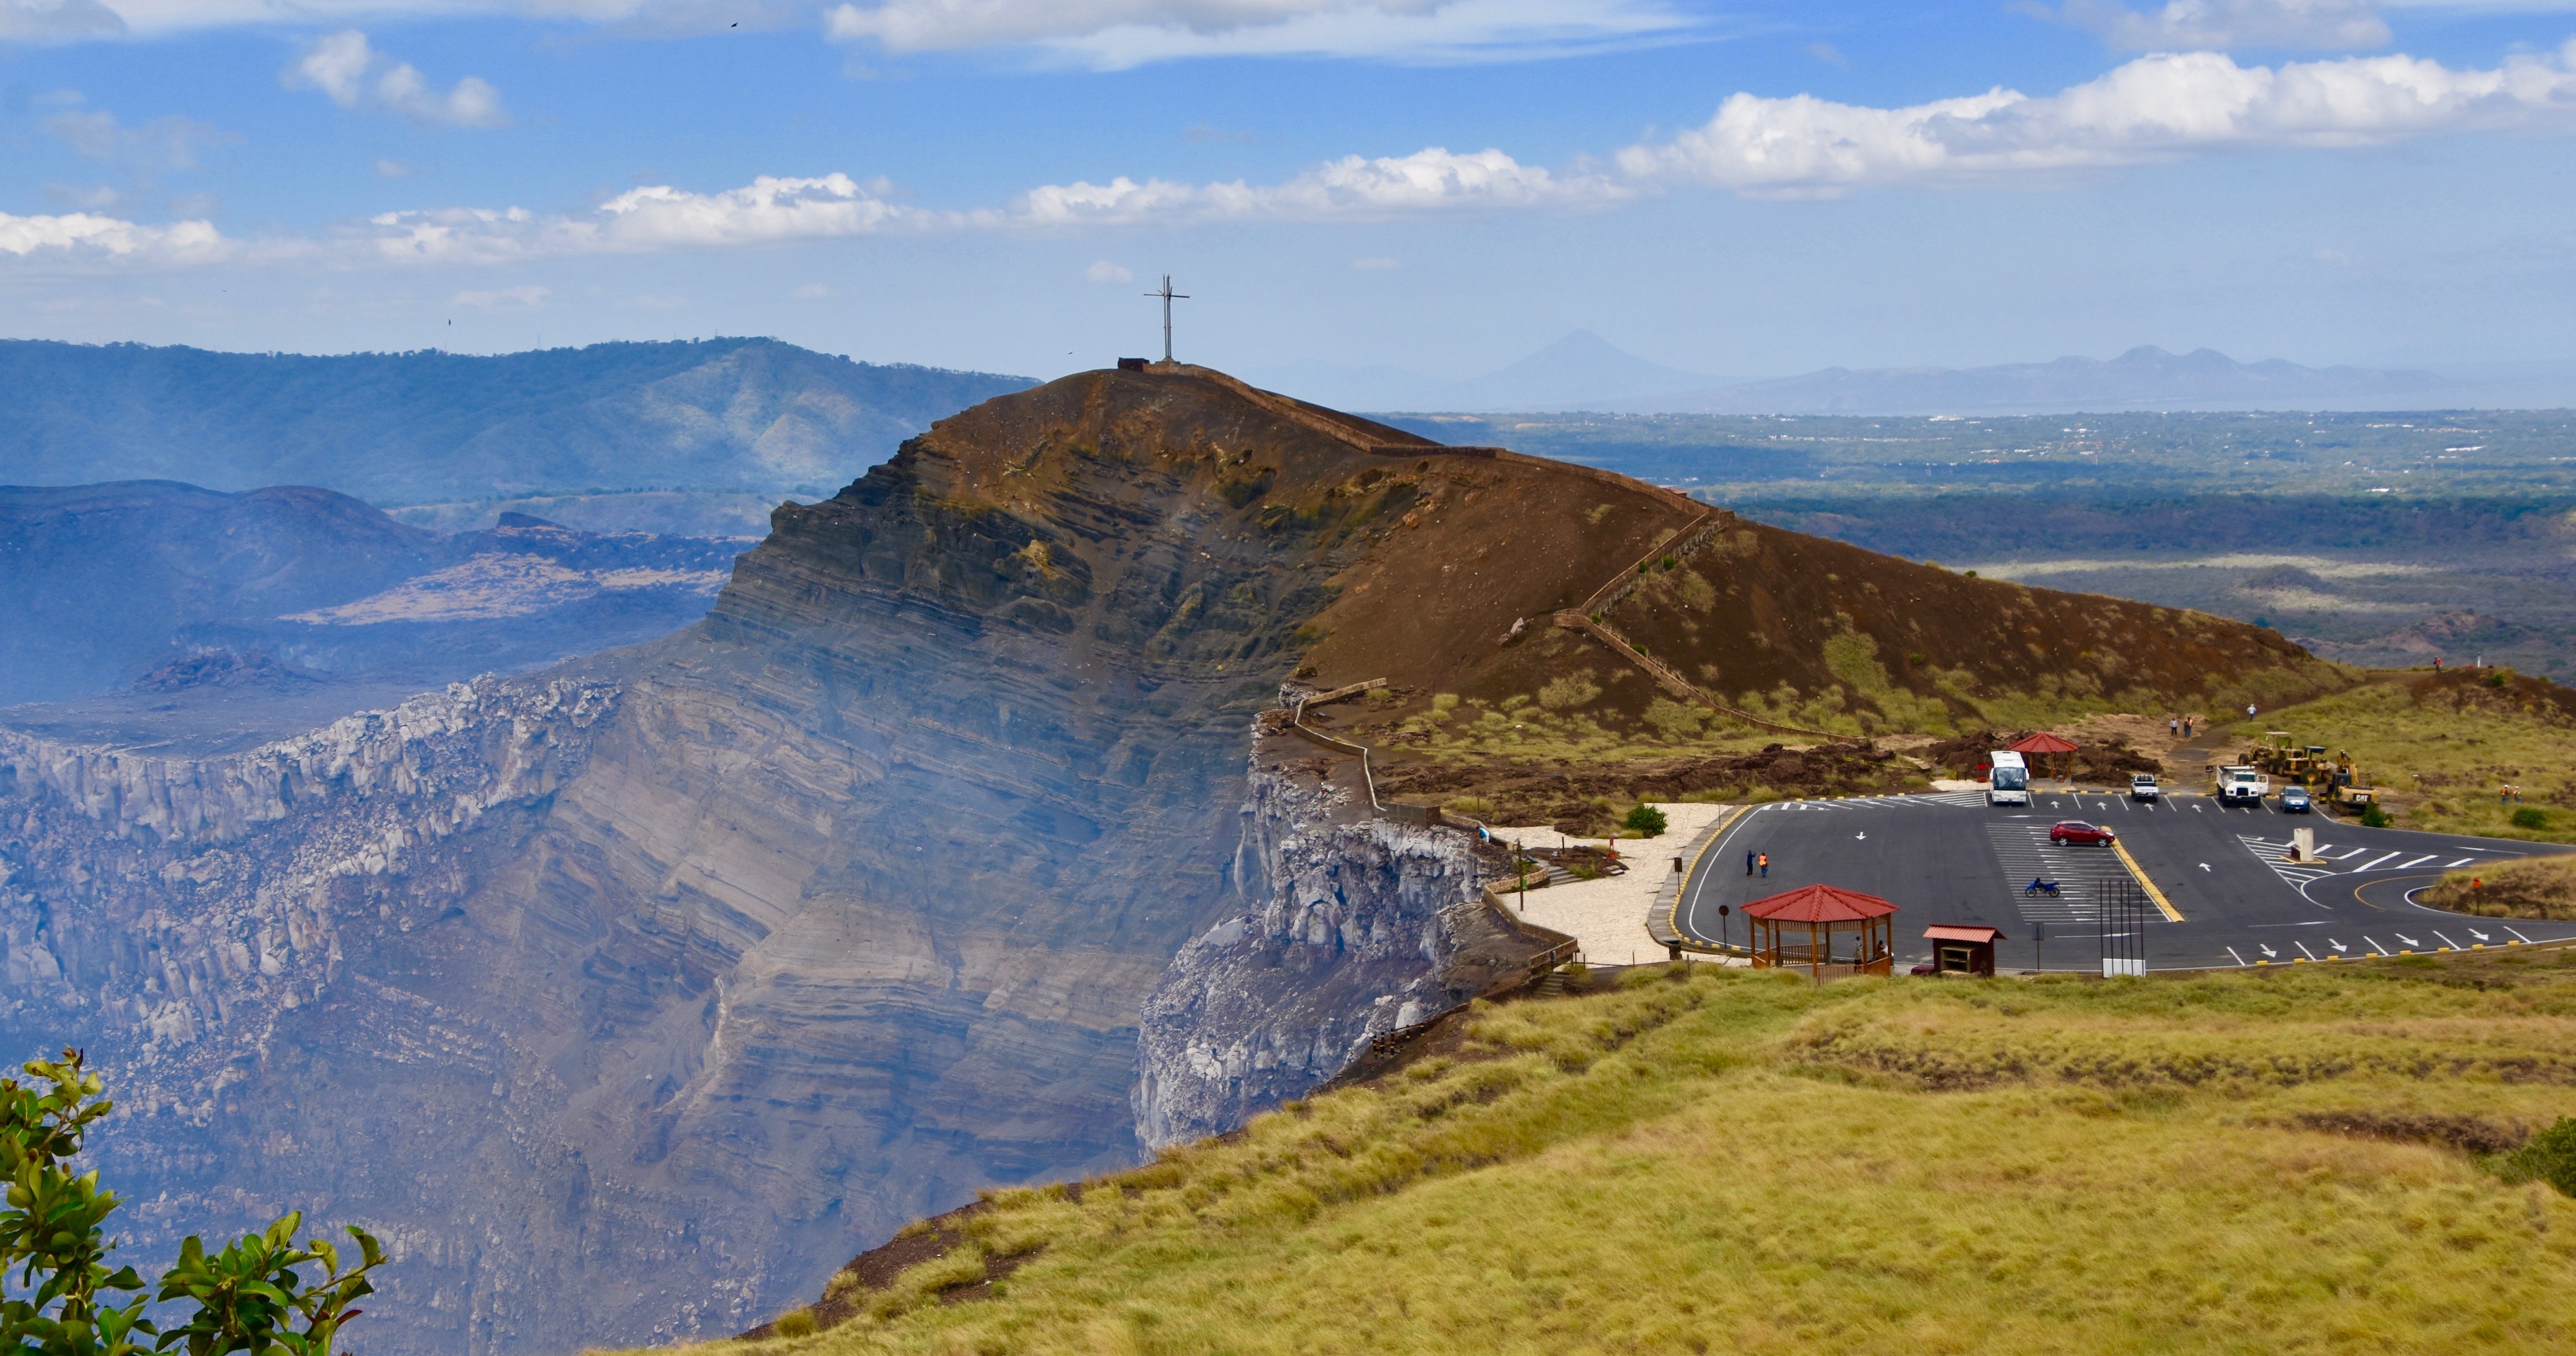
(58, 1295)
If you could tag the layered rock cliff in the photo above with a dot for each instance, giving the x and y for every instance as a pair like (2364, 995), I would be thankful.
(1348, 926)
(626, 1002)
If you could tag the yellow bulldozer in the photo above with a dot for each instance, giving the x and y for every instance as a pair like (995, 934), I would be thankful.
(2289, 763)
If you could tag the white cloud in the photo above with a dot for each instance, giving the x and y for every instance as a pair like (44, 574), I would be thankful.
(523, 297)
(356, 76)
(1115, 34)
(767, 211)
(83, 236)
(2222, 25)
(161, 145)
(393, 169)
(61, 20)
(813, 292)
(1433, 179)
(2153, 108)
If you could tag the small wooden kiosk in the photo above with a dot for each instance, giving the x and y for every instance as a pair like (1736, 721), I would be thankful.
(1962, 950)
(1832, 931)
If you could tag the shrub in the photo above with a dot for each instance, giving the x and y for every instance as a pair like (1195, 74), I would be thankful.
(795, 1323)
(1645, 819)
(247, 1298)
(2372, 817)
(2550, 1157)
(2530, 817)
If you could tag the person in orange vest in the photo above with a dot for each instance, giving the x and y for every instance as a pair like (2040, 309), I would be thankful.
(1766, 866)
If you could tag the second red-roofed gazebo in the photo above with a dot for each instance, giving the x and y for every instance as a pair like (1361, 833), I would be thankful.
(2046, 745)
(1816, 915)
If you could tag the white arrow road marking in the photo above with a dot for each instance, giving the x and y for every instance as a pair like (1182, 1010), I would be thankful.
(2204, 866)
(2339, 947)
(2480, 935)
(2446, 941)
(2195, 807)
(2267, 951)
(2304, 947)
(1860, 835)
(2240, 960)
(2408, 940)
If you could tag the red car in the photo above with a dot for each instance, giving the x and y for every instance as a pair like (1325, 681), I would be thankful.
(2077, 831)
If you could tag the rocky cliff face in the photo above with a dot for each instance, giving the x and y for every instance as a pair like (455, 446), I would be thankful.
(1348, 926)
(628, 1002)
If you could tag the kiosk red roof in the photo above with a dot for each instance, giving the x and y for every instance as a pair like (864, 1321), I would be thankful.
(2044, 742)
(1953, 932)
(1819, 904)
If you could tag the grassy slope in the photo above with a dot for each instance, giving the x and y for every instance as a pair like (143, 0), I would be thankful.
(2440, 748)
(1743, 1161)
(2532, 887)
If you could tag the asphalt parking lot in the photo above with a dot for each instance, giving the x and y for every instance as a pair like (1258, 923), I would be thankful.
(1950, 858)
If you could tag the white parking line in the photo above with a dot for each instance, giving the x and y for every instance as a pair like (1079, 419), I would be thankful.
(2446, 941)
(2464, 861)
(2347, 856)
(2375, 946)
(2418, 861)
(2376, 861)
(2240, 960)
(2517, 934)
(2304, 947)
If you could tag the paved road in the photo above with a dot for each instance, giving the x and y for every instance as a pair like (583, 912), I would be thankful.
(1949, 858)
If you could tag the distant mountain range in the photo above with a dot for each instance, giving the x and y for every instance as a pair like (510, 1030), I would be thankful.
(1582, 371)
(2144, 378)
(393, 428)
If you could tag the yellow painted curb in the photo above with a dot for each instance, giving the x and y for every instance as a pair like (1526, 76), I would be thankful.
(2172, 914)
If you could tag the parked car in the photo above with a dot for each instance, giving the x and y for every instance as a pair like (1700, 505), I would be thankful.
(2077, 831)
(2143, 787)
(2294, 800)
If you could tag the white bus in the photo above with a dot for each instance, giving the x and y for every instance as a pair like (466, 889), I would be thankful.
(2009, 782)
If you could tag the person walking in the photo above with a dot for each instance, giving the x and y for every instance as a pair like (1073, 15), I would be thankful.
(2173, 726)
(1766, 866)
(1748, 863)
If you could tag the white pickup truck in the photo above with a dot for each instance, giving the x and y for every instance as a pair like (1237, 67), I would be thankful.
(2239, 785)
(2143, 787)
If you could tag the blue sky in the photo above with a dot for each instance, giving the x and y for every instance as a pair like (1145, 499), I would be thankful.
(1737, 190)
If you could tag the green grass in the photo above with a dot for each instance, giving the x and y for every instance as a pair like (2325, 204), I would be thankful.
(2443, 768)
(1743, 1161)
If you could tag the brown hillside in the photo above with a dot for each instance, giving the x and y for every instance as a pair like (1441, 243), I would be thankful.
(1397, 558)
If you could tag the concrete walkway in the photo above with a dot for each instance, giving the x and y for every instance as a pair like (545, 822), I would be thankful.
(1607, 917)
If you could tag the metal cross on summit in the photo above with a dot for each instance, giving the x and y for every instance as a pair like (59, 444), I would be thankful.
(1169, 296)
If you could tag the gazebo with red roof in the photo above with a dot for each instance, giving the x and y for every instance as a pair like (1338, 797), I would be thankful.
(2046, 745)
(1821, 912)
